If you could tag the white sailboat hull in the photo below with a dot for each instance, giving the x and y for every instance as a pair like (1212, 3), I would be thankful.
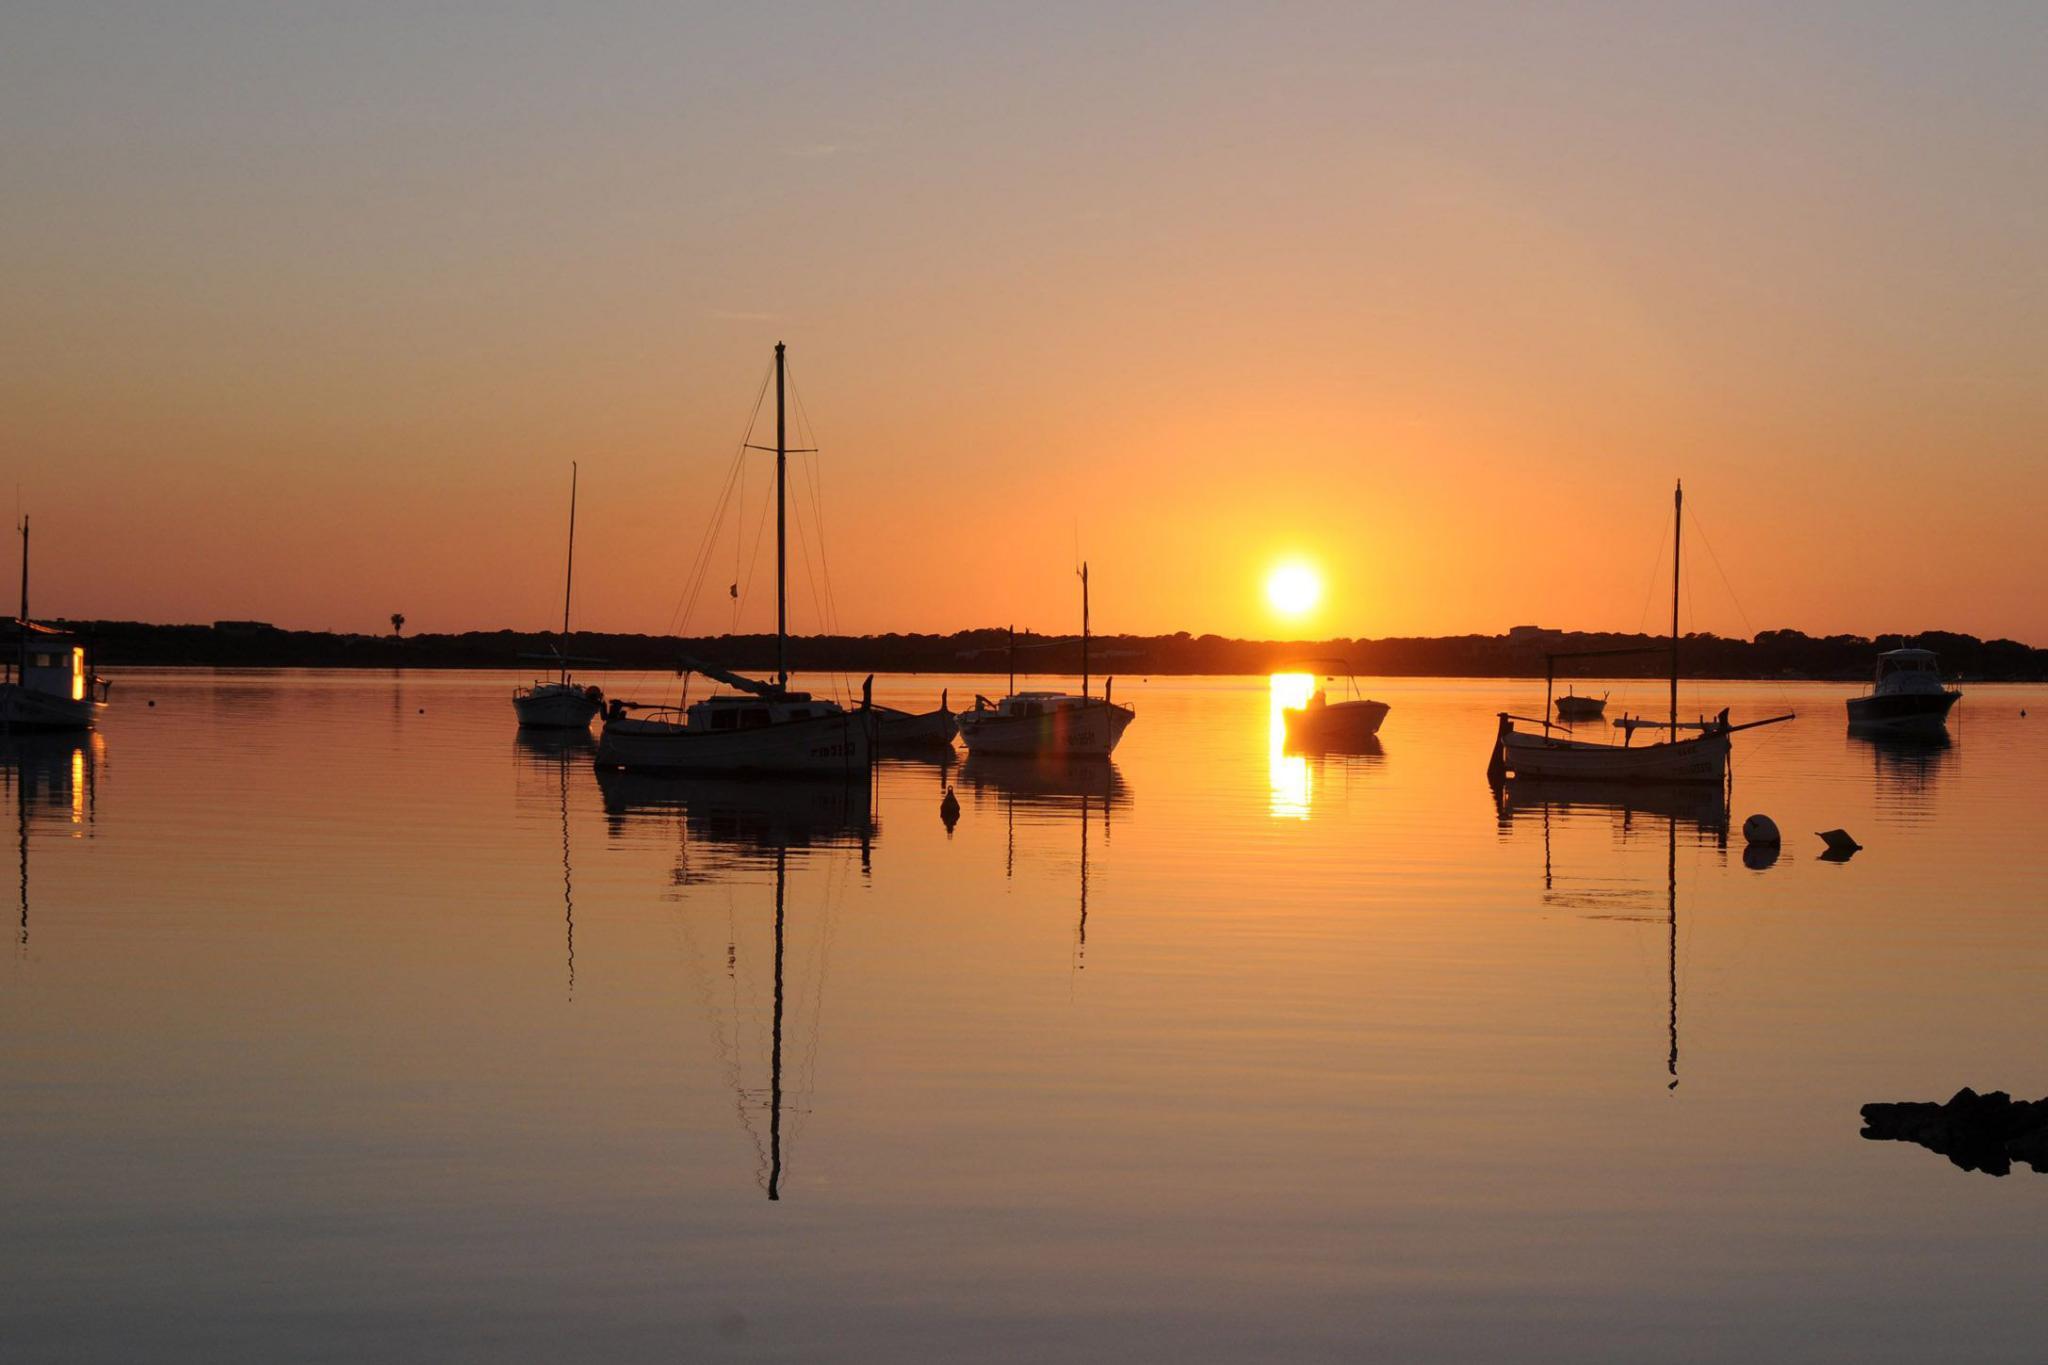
(555, 706)
(898, 730)
(1541, 757)
(822, 746)
(1073, 731)
(24, 709)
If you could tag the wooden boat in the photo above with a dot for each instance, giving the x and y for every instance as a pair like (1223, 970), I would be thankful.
(1334, 726)
(558, 703)
(1048, 724)
(898, 731)
(49, 683)
(1906, 696)
(1524, 755)
(766, 728)
(1571, 706)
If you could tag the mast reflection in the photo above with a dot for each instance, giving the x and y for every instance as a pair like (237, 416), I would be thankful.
(1630, 812)
(1048, 791)
(559, 750)
(54, 782)
(729, 831)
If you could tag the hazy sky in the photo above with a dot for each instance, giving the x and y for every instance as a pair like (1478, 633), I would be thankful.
(305, 309)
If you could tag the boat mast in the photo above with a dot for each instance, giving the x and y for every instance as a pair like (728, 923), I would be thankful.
(569, 575)
(1084, 628)
(781, 535)
(22, 621)
(1677, 529)
(1013, 662)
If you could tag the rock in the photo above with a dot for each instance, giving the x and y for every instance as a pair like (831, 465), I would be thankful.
(1976, 1132)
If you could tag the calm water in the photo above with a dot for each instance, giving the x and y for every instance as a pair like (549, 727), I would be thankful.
(342, 1024)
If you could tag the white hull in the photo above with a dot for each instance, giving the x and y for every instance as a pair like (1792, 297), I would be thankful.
(1526, 756)
(1331, 726)
(22, 709)
(1070, 731)
(551, 706)
(823, 746)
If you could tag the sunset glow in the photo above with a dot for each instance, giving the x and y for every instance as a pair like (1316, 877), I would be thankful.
(1294, 589)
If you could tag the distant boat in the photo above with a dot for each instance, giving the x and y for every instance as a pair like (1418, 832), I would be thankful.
(1334, 726)
(1048, 724)
(901, 731)
(1541, 755)
(49, 683)
(1906, 696)
(560, 704)
(766, 728)
(1571, 706)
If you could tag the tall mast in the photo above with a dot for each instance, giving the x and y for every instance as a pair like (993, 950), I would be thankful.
(22, 630)
(781, 537)
(1013, 662)
(1677, 530)
(1084, 627)
(569, 575)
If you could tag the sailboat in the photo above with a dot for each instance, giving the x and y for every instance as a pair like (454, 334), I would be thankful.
(560, 704)
(1048, 724)
(763, 728)
(48, 683)
(1703, 757)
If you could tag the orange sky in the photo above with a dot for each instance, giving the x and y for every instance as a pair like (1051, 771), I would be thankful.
(307, 310)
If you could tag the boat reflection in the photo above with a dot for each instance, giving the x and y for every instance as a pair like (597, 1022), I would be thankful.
(1905, 767)
(554, 753)
(742, 821)
(1643, 812)
(1049, 791)
(1296, 764)
(53, 780)
(730, 831)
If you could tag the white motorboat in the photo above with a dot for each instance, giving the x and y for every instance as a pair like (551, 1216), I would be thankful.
(559, 703)
(1543, 754)
(1906, 696)
(1048, 724)
(765, 728)
(48, 683)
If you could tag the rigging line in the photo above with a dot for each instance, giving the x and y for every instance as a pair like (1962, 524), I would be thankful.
(706, 548)
(828, 604)
(1728, 585)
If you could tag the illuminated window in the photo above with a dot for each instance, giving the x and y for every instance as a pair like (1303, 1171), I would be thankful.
(77, 673)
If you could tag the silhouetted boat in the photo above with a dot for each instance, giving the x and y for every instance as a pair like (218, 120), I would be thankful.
(1906, 696)
(1334, 727)
(1048, 723)
(1571, 706)
(1524, 755)
(49, 683)
(560, 704)
(898, 731)
(766, 729)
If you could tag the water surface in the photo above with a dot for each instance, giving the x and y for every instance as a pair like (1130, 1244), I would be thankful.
(341, 1022)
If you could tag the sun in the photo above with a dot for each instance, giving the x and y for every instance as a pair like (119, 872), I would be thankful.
(1294, 589)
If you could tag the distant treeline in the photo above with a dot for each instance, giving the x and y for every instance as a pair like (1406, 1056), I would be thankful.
(1519, 653)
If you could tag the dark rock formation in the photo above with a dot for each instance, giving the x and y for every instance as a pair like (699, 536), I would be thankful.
(1977, 1132)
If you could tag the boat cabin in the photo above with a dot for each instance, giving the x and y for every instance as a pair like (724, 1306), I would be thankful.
(52, 663)
(1027, 704)
(741, 712)
(1908, 670)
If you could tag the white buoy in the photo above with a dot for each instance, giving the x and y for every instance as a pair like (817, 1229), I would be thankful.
(1761, 829)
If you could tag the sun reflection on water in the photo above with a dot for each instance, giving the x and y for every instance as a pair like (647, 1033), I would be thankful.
(1287, 773)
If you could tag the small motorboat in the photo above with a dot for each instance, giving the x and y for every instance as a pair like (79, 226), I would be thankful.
(1571, 706)
(1326, 724)
(1906, 696)
(49, 683)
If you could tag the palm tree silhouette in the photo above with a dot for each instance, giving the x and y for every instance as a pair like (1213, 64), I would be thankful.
(397, 623)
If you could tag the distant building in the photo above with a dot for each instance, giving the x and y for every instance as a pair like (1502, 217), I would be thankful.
(1526, 632)
(243, 627)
